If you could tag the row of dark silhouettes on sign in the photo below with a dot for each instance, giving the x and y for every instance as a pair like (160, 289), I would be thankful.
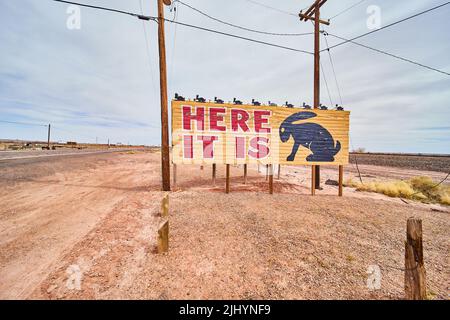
(255, 103)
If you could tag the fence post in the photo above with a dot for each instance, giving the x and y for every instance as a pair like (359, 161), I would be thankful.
(163, 237)
(415, 285)
(165, 206)
(174, 174)
(279, 171)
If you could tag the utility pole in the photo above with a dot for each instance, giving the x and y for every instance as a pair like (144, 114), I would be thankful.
(313, 14)
(165, 152)
(48, 137)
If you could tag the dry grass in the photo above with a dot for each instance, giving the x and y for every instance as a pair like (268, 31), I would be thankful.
(418, 188)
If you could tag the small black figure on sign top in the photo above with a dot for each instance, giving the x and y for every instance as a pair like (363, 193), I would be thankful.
(255, 103)
(289, 105)
(311, 136)
(178, 97)
(199, 99)
(218, 101)
(237, 101)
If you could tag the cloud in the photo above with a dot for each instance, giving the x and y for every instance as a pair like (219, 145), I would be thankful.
(100, 81)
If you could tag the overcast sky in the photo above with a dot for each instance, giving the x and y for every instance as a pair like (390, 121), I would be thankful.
(100, 81)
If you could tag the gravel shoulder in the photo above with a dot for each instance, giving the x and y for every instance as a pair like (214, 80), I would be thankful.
(98, 219)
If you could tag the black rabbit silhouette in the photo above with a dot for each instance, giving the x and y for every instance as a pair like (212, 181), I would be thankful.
(312, 136)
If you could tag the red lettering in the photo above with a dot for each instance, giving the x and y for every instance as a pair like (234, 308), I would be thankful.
(239, 119)
(208, 146)
(188, 150)
(240, 147)
(216, 115)
(260, 144)
(260, 121)
(199, 117)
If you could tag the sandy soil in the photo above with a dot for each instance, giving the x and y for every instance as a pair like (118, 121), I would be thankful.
(96, 218)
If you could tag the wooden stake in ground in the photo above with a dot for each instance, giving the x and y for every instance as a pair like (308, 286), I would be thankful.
(341, 180)
(163, 237)
(279, 171)
(267, 172)
(415, 285)
(227, 182)
(165, 152)
(271, 179)
(174, 174)
(165, 206)
(214, 174)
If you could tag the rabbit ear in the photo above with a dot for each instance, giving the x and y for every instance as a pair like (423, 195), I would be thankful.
(301, 116)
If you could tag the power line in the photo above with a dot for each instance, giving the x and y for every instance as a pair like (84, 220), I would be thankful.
(272, 8)
(239, 37)
(389, 54)
(326, 84)
(347, 9)
(389, 25)
(105, 9)
(172, 62)
(24, 123)
(334, 72)
(241, 27)
(148, 18)
(147, 49)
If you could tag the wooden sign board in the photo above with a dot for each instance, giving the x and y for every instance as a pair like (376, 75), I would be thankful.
(208, 133)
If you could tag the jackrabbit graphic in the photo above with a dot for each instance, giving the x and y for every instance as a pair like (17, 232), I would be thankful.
(312, 136)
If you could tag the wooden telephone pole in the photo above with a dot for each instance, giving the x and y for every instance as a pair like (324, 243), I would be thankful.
(48, 136)
(313, 14)
(165, 152)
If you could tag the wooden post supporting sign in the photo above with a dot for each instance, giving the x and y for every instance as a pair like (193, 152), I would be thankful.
(271, 179)
(214, 173)
(245, 173)
(227, 183)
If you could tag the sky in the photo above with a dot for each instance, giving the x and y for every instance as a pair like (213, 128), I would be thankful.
(101, 81)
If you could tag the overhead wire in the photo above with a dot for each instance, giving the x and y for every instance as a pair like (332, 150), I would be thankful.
(389, 54)
(24, 123)
(390, 25)
(347, 9)
(334, 72)
(240, 27)
(326, 84)
(172, 60)
(273, 8)
(148, 51)
(148, 18)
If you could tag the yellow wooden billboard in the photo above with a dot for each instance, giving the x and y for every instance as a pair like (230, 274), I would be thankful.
(208, 133)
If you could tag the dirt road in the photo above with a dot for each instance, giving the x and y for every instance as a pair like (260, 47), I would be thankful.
(85, 227)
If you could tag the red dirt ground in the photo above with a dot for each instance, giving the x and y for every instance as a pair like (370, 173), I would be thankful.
(99, 214)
